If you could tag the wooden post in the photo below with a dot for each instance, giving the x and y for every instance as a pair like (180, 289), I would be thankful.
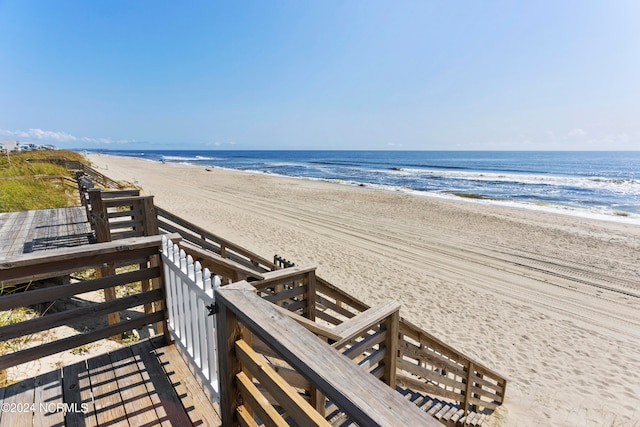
(79, 174)
(110, 294)
(157, 283)
(318, 400)
(311, 296)
(150, 218)
(467, 392)
(99, 216)
(228, 332)
(392, 325)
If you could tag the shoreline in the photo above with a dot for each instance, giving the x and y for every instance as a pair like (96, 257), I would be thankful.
(581, 212)
(551, 301)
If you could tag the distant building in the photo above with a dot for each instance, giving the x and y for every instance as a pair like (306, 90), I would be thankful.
(10, 145)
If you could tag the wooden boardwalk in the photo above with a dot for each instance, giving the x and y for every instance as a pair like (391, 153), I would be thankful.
(31, 231)
(145, 384)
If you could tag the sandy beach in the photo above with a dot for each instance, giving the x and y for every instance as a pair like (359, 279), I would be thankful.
(550, 301)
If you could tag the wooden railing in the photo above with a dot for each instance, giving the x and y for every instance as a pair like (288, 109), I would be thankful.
(116, 217)
(424, 362)
(440, 370)
(452, 375)
(75, 165)
(252, 389)
(206, 240)
(107, 259)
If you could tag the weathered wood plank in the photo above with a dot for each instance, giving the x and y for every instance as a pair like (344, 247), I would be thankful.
(328, 304)
(18, 396)
(63, 344)
(37, 296)
(48, 392)
(283, 276)
(77, 390)
(37, 266)
(364, 321)
(163, 396)
(30, 231)
(367, 343)
(287, 397)
(212, 260)
(112, 194)
(133, 392)
(258, 403)
(199, 408)
(314, 327)
(250, 256)
(287, 294)
(51, 321)
(108, 403)
(431, 375)
(362, 396)
(61, 255)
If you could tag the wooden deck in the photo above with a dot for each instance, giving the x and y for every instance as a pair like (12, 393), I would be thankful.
(31, 231)
(145, 384)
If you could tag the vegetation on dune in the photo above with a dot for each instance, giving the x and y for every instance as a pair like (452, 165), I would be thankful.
(26, 186)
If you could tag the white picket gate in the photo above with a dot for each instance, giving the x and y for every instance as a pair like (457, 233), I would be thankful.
(189, 292)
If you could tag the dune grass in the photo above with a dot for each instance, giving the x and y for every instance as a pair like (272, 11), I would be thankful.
(24, 186)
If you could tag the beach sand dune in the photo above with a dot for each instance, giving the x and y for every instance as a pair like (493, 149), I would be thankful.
(550, 301)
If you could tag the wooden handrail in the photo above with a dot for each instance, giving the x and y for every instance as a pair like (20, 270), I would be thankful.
(298, 408)
(364, 399)
(201, 237)
(103, 257)
(141, 210)
(364, 321)
(231, 270)
(281, 276)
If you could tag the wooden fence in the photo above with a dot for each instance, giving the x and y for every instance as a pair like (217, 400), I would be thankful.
(424, 362)
(190, 303)
(254, 390)
(75, 165)
(201, 238)
(114, 217)
(116, 264)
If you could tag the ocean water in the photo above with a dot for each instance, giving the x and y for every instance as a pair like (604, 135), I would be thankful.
(601, 184)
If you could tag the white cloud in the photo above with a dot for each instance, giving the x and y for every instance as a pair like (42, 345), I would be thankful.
(58, 137)
(39, 134)
(577, 133)
(220, 144)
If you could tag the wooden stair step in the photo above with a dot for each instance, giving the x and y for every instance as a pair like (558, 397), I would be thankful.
(435, 408)
(445, 408)
(455, 417)
(450, 413)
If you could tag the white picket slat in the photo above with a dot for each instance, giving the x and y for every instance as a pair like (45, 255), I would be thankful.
(190, 290)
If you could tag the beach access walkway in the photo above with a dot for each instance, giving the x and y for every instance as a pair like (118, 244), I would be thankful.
(30, 231)
(263, 341)
(144, 384)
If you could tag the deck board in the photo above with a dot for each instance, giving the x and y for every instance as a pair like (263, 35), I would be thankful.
(196, 403)
(130, 386)
(44, 229)
(107, 401)
(48, 392)
(135, 397)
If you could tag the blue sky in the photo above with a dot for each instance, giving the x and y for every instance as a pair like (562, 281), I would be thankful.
(423, 75)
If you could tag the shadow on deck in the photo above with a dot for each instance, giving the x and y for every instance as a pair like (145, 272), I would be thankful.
(44, 229)
(145, 384)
